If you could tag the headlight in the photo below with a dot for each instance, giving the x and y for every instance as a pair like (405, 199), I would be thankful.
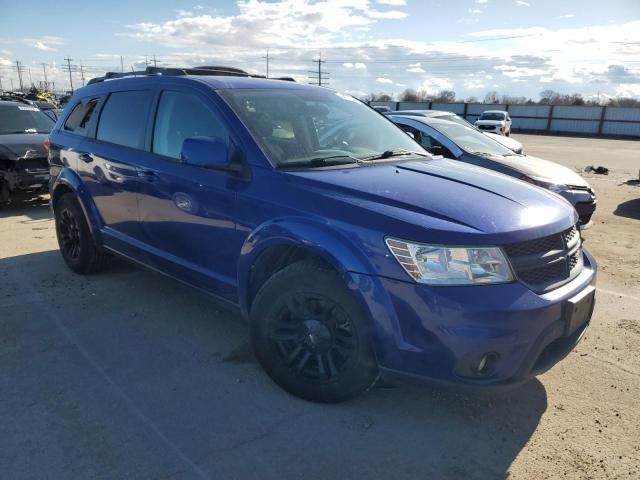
(440, 265)
(549, 184)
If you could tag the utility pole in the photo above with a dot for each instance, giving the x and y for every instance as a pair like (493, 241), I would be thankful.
(121, 64)
(30, 79)
(319, 75)
(155, 64)
(44, 70)
(82, 73)
(20, 70)
(70, 68)
(267, 57)
(1, 89)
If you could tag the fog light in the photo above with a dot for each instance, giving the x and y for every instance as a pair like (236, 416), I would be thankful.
(487, 363)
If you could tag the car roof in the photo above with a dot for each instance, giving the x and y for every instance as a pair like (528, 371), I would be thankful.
(495, 111)
(215, 82)
(425, 120)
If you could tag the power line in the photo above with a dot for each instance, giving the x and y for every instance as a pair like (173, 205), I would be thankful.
(267, 57)
(20, 69)
(70, 68)
(319, 75)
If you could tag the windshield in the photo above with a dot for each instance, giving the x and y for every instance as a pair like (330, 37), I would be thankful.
(297, 126)
(469, 139)
(23, 119)
(492, 116)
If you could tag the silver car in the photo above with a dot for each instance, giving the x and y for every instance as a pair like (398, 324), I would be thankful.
(459, 142)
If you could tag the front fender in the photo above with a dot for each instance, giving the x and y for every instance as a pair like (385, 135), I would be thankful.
(317, 237)
(67, 179)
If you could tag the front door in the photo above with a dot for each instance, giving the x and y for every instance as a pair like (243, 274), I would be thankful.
(186, 212)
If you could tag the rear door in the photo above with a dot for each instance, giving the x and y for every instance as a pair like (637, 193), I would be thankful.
(107, 164)
(187, 213)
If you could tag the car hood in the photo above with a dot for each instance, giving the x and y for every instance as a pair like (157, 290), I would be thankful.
(18, 145)
(544, 169)
(510, 143)
(436, 200)
(490, 122)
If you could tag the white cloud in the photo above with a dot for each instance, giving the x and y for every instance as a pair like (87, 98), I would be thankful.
(357, 65)
(394, 3)
(568, 15)
(482, 2)
(383, 80)
(476, 11)
(416, 70)
(261, 23)
(467, 21)
(47, 43)
(415, 65)
(521, 3)
(389, 14)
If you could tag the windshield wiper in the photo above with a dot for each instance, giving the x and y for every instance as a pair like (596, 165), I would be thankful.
(322, 161)
(393, 153)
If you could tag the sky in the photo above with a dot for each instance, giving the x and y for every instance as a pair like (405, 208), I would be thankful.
(513, 47)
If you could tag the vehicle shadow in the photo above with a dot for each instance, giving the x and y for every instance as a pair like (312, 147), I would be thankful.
(35, 205)
(629, 209)
(134, 374)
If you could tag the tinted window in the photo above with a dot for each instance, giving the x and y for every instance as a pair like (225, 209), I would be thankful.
(492, 116)
(23, 119)
(80, 117)
(124, 118)
(180, 116)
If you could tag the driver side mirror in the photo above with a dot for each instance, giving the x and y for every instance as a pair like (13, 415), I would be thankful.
(207, 152)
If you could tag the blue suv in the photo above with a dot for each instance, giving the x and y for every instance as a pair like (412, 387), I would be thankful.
(352, 251)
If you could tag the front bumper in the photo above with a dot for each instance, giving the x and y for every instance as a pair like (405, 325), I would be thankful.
(442, 333)
(584, 201)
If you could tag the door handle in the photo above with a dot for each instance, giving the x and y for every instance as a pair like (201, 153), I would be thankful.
(148, 175)
(85, 157)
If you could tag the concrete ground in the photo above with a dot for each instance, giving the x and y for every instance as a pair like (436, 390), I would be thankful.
(128, 374)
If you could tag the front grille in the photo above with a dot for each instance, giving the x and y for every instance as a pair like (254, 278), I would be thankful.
(548, 262)
(486, 127)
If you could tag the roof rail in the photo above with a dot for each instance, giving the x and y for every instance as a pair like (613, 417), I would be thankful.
(173, 72)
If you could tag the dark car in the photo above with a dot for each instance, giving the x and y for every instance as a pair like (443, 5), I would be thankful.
(354, 254)
(23, 158)
(456, 141)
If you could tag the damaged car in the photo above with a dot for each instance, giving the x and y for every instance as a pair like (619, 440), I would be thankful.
(24, 133)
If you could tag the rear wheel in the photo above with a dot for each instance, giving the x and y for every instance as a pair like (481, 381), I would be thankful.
(78, 248)
(310, 335)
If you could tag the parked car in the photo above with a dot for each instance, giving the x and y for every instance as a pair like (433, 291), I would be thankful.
(465, 144)
(508, 142)
(495, 121)
(355, 256)
(23, 157)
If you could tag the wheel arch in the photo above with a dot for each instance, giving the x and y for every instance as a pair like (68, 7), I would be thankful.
(69, 182)
(277, 244)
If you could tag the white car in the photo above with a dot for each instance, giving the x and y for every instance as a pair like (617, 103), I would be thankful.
(510, 143)
(495, 121)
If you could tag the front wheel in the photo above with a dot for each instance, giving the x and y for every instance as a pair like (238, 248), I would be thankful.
(310, 335)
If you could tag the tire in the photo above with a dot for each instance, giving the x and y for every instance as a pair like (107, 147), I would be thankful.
(77, 246)
(310, 336)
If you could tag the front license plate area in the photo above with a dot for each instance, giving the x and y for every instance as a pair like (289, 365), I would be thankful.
(579, 309)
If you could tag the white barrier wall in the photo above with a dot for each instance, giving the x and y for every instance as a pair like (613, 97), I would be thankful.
(615, 121)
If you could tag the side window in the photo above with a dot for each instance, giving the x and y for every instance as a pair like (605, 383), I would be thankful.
(180, 116)
(80, 117)
(124, 118)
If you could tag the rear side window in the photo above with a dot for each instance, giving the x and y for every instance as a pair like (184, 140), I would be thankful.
(180, 116)
(124, 118)
(80, 117)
